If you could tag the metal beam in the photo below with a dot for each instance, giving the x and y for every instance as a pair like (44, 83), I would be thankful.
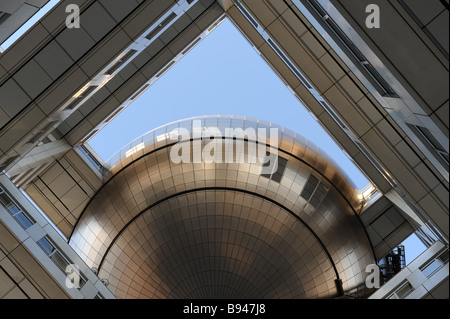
(40, 156)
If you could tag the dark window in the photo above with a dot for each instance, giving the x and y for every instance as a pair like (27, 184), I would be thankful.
(4, 16)
(310, 186)
(276, 176)
(430, 141)
(121, 62)
(161, 26)
(91, 157)
(444, 257)
(8, 162)
(246, 13)
(55, 254)
(383, 87)
(41, 133)
(314, 191)
(22, 218)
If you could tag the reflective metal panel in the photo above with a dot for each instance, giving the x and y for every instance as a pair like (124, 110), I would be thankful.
(162, 229)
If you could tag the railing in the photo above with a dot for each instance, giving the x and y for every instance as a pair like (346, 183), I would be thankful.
(420, 277)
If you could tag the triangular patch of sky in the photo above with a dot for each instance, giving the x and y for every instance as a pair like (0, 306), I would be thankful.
(222, 75)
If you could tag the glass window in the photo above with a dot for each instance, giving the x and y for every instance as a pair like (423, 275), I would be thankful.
(99, 296)
(404, 290)
(430, 142)
(90, 157)
(429, 270)
(46, 246)
(60, 260)
(444, 257)
(5, 201)
(429, 136)
(58, 257)
(22, 218)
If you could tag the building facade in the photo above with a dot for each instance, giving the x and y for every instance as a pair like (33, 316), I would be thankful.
(373, 73)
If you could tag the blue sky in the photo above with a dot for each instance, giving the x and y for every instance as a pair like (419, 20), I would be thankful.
(234, 81)
(27, 25)
(223, 75)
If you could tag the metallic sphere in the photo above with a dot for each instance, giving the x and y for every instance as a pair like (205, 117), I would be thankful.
(161, 227)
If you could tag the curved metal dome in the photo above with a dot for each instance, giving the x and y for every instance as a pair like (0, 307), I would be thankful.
(158, 229)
